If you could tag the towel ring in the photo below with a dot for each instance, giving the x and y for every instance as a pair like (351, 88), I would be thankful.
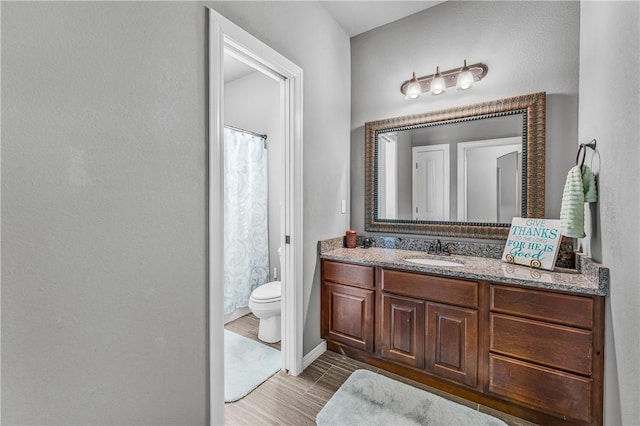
(582, 150)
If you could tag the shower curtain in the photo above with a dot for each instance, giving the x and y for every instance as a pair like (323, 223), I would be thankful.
(246, 226)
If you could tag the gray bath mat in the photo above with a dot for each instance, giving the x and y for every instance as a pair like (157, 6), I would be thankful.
(247, 364)
(368, 398)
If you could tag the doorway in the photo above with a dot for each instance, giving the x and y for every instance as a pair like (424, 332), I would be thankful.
(254, 183)
(227, 38)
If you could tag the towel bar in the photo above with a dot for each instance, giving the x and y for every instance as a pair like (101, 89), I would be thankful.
(582, 149)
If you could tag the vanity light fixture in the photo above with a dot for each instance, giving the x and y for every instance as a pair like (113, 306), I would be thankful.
(413, 88)
(463, 78)
(438, 85)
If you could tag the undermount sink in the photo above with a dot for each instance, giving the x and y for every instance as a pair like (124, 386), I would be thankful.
(434, 262)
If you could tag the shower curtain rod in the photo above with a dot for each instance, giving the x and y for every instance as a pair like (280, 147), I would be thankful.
(247, 131)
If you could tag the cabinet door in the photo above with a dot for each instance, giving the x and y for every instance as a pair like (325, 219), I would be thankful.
(403, 330)
(347, 315)
(452, 343)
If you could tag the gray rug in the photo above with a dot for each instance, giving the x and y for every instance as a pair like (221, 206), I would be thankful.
(368, 398)
(247, 364)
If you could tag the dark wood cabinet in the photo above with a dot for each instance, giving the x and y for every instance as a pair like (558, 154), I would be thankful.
(403, 330)
(534, 353)
(348, 310)
(565, 395)
(551, 345)
(347, 274)
(449, 291)
(545, 351)
(430, 323)
(452, 343)
(435, 329)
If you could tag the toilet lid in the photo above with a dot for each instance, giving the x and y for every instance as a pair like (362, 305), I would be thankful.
(267, 292)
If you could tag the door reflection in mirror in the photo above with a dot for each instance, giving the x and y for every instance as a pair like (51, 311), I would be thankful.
(430, 182)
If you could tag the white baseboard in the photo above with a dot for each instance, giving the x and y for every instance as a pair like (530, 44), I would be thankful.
(240, 312)
(314, 354)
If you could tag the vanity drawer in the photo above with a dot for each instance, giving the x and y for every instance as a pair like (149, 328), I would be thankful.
(546, 306)
(427, 287)
(544, 343)
(345, 273)
(553, 391)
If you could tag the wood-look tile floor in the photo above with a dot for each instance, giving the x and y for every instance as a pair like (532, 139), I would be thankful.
(289, 400)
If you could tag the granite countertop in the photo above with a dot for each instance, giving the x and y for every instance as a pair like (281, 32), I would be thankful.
(594, 281)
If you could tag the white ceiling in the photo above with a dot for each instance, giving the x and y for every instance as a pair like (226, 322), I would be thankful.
(234, 69)
(356, 17)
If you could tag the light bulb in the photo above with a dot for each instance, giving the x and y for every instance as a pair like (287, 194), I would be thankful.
(414, 90)
(438, 85)
(465, 78)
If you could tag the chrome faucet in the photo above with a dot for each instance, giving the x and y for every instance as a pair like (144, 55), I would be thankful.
(436, 247)
(367, 242)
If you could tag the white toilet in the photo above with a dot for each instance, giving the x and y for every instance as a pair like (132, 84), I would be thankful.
(265, 304)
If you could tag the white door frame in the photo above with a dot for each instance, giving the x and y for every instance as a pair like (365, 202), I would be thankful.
(225, 35)
(388, 175)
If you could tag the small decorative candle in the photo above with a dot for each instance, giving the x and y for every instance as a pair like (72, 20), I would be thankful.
(351, 239)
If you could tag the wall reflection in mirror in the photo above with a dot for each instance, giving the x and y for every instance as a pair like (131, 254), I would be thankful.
(465, 171)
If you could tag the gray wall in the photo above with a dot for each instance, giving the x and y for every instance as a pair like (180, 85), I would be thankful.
(610, 113)
(104, 200)
(103, 214)
(528, 46)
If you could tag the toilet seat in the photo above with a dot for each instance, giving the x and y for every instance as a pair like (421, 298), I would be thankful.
(267, 293)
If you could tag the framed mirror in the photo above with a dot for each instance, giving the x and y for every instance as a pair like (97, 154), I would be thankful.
(460, 172)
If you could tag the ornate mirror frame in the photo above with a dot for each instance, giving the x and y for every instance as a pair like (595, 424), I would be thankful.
(533, 108)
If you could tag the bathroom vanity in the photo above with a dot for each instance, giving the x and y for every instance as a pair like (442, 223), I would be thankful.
(523, 341)
(526, 342)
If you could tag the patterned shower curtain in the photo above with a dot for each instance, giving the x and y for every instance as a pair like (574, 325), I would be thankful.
(246, 226)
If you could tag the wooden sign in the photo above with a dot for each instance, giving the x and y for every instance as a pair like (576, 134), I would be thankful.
(533, 242)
